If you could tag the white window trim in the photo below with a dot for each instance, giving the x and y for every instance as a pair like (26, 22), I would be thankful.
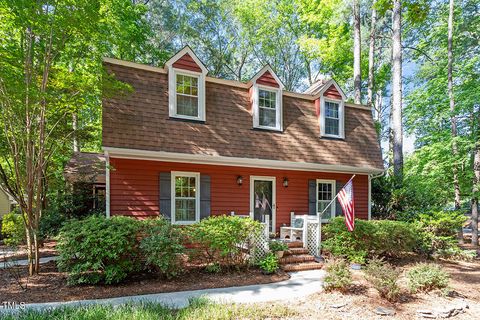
(172, 93)
(256, 111)
(333, 205)
(341, 116)
(195, 175)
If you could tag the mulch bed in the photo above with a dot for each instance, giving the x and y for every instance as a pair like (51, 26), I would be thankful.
(51, 285)
(47, 250)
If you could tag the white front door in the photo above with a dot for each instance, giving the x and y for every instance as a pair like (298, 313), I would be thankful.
(262, 199)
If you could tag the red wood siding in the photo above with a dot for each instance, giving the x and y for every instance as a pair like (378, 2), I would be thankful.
(186, 62)
(267, 79)
(134, 188)
(332, 93)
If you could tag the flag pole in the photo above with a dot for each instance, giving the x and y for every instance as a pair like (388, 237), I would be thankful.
(319, 217)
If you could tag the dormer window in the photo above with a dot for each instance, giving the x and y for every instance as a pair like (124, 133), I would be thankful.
(332, 118)
(186, 86)
(186, 95)
(266, 97)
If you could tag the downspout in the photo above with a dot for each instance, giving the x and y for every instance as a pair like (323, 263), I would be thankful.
(370, 178)
(107, 185)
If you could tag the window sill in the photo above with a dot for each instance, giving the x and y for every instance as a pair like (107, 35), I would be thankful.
(182, 119)
(329, 137)
(267, 129)
(184, 223)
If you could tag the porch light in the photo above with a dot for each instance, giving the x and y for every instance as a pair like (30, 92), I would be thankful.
(285, 182)
(239, 180)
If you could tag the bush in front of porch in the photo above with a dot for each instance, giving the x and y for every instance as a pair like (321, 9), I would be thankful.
(99, 250)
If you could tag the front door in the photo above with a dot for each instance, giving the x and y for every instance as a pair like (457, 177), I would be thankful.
(262, 199)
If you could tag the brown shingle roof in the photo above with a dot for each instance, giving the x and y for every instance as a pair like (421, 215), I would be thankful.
(85, 167)
(140, 120)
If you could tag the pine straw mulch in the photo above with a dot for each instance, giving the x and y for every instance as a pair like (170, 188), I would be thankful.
(51, 285)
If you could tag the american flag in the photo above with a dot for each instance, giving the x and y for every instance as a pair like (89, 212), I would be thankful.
(345, 197)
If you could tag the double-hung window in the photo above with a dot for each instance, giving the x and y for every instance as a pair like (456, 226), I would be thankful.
(325, 194)
(185, 197)
(187, 95)
(332, 118)
(268, 108)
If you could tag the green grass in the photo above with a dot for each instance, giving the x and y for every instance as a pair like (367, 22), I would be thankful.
(200, 308)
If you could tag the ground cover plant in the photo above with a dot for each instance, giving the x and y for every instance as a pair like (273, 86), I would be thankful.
(384, 278)
(427, 277)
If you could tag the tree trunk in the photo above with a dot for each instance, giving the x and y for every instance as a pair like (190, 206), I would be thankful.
(76, 146)
(475, 191)
(453, 118)
(371, 59)
(357, 52)
(397, 129)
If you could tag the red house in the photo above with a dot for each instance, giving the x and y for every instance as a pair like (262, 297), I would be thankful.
(185, 145)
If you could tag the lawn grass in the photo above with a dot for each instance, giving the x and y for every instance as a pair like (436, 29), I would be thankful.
(199, 308)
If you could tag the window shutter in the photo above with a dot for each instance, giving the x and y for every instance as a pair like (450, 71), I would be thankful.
(312, 197)
(338, 207)
(204, 196)
(165, 201)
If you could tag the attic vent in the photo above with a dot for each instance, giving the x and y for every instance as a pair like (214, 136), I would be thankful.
(316, 87)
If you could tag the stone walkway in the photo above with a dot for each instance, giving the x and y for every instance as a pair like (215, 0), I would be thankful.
(299, 285)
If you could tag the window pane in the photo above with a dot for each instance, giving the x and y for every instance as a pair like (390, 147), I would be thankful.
(187, 106)
(331, 110)
(185, 201)
(267, 117)
(267, 99)
(332, 126)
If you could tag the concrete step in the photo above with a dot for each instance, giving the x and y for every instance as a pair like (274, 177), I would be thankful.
(302, 266)
(296, 251)
(295, 244)
(296, 259)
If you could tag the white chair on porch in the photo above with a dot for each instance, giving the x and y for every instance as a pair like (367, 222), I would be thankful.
(297, 230)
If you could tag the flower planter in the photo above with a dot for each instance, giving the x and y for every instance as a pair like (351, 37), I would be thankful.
(279, 254)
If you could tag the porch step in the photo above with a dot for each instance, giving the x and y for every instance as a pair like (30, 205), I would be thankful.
(296, 251)
(295, 244)
(302, 266)
(296, 259)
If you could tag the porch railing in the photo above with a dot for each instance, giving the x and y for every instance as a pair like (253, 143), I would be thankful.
(260, 240)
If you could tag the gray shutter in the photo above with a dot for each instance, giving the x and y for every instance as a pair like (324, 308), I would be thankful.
(312, 197)
(204, 196)
(165, 201)
(338, 207)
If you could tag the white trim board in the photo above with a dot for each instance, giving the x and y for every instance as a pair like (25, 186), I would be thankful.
(234, 161)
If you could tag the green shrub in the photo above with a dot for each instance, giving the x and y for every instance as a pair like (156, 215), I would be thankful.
(213, 268)
(369, 238)
(426, 277)
(97, 249)
(439, 229)
(223, 239)
(51, 223)
(384, 278)
(456, 253)
(13, 229)
(276, 246)
(162, 247)
(269, 264)
(338, 275)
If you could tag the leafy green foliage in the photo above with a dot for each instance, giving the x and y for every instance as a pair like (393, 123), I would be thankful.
(13, 229)
(384, 278)
(269, 264)
(97, 249)
(455, 253)
(338, 275)
(222, 239)
(213, 268)
(162, 247)
(369, 238)
(277, 246)
(426, 277)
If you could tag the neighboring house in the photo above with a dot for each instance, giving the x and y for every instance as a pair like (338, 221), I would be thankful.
(85, 175)
(185, 145)
(7, 203)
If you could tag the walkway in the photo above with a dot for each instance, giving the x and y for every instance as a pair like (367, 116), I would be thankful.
(299, 285)
(12, 262)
